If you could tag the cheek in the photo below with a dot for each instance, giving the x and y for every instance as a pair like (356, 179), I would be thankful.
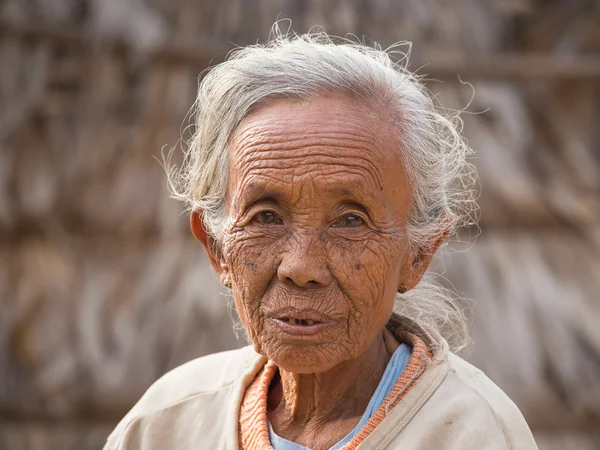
(252, 259)
(367, 271)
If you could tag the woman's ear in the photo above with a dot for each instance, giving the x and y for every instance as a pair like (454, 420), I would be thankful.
(211, 246)
(419, 261)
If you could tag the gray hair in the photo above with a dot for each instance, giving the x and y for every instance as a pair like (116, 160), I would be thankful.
(299, 67)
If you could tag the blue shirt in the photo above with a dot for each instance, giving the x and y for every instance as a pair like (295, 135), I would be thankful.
(392, 372)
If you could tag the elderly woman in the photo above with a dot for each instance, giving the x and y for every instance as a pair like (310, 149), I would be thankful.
(321, 181)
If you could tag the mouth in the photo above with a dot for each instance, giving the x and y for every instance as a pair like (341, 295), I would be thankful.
(300, 322)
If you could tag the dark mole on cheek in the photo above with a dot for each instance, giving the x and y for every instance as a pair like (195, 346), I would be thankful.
(250, 265)
(357, 266)
(381, 188)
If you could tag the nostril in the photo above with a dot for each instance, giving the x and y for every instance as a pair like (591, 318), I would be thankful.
(308, 283)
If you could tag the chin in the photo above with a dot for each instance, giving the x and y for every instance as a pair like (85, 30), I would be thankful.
(304, 358)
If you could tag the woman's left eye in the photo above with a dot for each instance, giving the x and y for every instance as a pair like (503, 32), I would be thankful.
(349, 221)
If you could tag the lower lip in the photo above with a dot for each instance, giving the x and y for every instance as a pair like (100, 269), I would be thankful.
(299, 330)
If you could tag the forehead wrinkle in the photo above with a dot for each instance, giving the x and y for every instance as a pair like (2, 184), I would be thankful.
(270, 138)
(266, 185)
(361, 172)
(334, 150)
(323, 165)
(330, 144)
(342, 126)
(279, 130)
(272, 156)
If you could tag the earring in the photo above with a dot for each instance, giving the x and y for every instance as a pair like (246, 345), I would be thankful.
(402, 289)
(227, 283)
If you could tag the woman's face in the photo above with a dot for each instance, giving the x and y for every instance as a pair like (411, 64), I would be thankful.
(318, 246)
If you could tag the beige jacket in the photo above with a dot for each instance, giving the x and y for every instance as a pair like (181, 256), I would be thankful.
(452, 405)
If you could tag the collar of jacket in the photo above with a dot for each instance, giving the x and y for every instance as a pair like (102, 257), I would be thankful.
(432, 372)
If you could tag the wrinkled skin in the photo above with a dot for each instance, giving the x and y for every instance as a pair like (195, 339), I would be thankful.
(320, 202)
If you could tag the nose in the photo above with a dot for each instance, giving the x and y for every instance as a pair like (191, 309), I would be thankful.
(304, 262)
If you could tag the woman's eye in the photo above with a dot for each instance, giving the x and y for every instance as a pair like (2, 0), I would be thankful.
(268, 218)
(349, 221)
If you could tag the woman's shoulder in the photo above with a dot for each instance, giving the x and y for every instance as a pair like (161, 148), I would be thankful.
(473, 382)
(470, 398)
(215, 375)
(455, 405)
(205, 374)
(457, 400)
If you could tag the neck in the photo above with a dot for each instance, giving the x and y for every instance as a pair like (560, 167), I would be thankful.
(298, 400)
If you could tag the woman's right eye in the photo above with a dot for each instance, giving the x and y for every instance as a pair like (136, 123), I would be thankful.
(268, 218)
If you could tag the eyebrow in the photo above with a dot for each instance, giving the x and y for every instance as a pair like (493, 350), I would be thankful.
(254, 194)
(358, 206)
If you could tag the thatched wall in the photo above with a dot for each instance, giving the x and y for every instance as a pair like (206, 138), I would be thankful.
(102, 288)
